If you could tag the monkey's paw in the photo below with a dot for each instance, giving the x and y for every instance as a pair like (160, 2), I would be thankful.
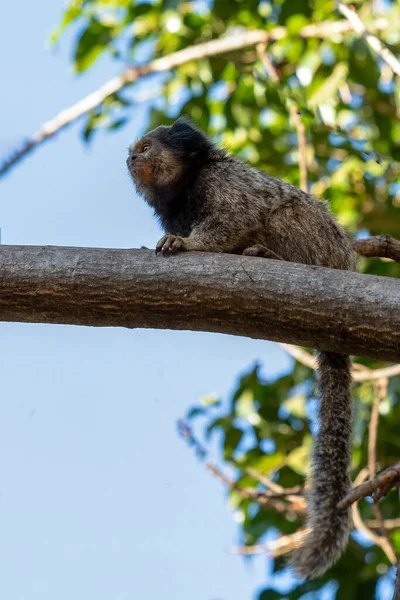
(170, 244)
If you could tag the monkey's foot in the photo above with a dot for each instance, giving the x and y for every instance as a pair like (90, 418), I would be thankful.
(170, 244)
(263, 251)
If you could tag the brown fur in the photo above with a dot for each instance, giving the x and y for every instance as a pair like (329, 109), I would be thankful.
(209, 201)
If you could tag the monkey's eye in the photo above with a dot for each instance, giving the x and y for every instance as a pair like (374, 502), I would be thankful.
(146, 147)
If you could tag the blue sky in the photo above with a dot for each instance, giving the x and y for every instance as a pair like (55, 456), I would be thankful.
(99, 498)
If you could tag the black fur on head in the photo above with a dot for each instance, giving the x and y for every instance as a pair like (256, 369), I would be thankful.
(165, 163)
(188, 142)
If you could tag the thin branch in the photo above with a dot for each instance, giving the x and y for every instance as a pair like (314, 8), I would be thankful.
(302, 356)
(359, 524)
(282, 545)
(396, 592)
(302, 143)
(379, 540)
(280, 502)
(247, 493)
(390, 524)
(132, 74)
(360, 372)
(280, 499)
(224, 45)
(294, 495)
(386, 542)
(267, 62)
(375, 43)
(380, 386)
(382, 246)
(377, 487)
(250, 550)
(370, 374)
(274, 487)
(294, 114)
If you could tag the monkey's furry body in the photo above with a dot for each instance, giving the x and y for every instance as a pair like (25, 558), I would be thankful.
(209, 201)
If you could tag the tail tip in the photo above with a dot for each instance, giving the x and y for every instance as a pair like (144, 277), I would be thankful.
(315, 556)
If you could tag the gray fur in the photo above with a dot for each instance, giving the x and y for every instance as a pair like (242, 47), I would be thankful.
(209, 201)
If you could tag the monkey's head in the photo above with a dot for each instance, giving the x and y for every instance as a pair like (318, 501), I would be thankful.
(160, 162)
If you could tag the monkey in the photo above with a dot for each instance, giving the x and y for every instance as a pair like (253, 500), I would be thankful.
(208, 200)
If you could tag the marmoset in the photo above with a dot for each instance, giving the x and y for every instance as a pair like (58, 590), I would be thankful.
(207, 200)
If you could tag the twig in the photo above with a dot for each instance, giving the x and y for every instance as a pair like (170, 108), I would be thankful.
(280, 499)
(375, 43)
(302, 143)
(250, 550)
(388, 523)
(282, 545)
(380, 386)
(377, 487)
(224, 45)
(371, 374)
(294, 494)
(295, 116)
(381, 541)
(220, 475)
(267, 62)
(307, 359)
(274, 487)
(396, 593)
(132, 74)
(293, 505)
(360, 372)
(382, 246)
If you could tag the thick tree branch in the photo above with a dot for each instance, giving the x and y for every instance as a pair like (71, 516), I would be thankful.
(223, 45)
(254, 297)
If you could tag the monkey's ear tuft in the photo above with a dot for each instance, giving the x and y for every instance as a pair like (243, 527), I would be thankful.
(188, 141)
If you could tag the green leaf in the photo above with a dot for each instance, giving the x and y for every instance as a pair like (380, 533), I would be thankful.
(73, 13)
(299, 458)
(267, 463)
(232, 440)
(92, 42)
(296, 405)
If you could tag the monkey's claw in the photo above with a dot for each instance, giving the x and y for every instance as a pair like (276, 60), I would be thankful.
(170, 244)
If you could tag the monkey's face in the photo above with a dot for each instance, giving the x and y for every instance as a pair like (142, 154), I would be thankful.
(152, 164)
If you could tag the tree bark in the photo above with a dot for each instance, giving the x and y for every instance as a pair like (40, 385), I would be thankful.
(384, 246)
(254, 297)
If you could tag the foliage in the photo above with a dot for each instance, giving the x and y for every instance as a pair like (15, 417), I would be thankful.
(349, 103)
(265, 426)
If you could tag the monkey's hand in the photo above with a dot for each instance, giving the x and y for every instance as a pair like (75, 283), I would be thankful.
(172, 244)
(206, 237)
